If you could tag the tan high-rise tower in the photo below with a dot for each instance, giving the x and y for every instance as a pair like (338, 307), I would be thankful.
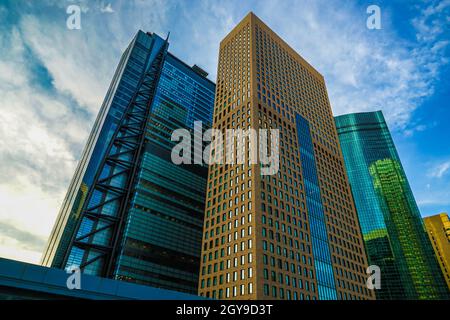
(294, 234)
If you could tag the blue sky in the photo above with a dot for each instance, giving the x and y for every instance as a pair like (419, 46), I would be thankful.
(53, 80)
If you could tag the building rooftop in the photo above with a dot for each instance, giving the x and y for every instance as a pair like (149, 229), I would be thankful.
(19, 280)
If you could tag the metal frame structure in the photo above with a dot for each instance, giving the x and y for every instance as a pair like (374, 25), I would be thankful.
(99, 227)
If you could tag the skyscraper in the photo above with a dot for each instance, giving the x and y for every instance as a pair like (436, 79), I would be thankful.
(130, 213)
(393, 231)
(294, 234)
(438, 229)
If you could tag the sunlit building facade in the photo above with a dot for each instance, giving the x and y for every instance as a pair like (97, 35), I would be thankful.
(438, 229)
(294, 234)
(130, 213)
(393, 231)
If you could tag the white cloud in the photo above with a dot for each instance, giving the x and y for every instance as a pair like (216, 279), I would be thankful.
(439, 45)
(130, 16)
(80, 64)
(434, 199)
(411, 130)
(39, 135)
(10, 248)
(106, 8)
(429, 24)
(364, 69)
(439, 170)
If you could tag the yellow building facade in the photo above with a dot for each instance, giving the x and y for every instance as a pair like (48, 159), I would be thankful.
(263, 238)
(438, 229)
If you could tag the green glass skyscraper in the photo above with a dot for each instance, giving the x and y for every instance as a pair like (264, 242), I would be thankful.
(393, 231)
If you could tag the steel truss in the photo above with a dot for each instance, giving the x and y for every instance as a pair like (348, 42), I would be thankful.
(99, 228)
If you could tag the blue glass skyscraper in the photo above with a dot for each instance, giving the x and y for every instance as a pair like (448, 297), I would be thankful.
(130, 213)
